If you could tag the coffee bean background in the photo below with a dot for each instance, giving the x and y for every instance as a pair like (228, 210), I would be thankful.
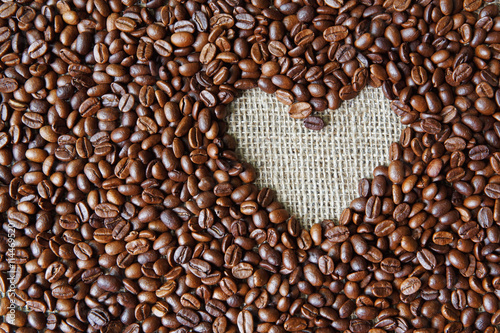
(315, 173)
(132, 212)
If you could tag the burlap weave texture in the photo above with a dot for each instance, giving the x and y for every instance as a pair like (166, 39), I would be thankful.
(315, 173)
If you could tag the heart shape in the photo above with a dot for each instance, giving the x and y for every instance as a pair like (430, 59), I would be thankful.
(315, 173)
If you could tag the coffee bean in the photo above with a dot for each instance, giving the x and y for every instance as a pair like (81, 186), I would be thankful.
(18, 220)
(137, 246)
(295, 324)
(83, 251)
(284, 96)
(382, 289)
(326, 265)
(492, 191)
(98, 318)
(442, 238)
(37, 49)
(259, 53)
(304, 37)
(431, 126)
(313, 275)
(390, 265)
(242, 271)
(245, 322)
(401, 5)
(345, 53)
(314, 123)
(334, 3)
(410, 286)
(277, 49)
(335, 33)
(125, 24)
(106, 210)
(244, 21)
(109, 283)
(188, 317)
(8, 85)
(426, 259)
(337, 234)
(166, 289)
(300, 110)
(63, 292)
(222, 21)
(7, 9)
(215, 308)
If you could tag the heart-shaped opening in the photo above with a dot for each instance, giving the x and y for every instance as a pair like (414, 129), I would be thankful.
(315, 173)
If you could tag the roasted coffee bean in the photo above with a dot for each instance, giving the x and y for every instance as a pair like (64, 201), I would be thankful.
(106, 210)
(8, 85)
(326, 265)
(427, 259)
(410, 286)
(300, 110)
(125, 24)
(242, 271)
(245, 322)
(188, 317)
(337, 234)
(98, 318)
(83, 251)
(314, 123)
(335, 33)
(382, 289)
(137, 246)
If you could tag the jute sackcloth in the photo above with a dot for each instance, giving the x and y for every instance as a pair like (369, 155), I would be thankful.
(314, 173)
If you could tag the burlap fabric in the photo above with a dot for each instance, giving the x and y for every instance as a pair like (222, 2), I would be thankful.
(315, 173)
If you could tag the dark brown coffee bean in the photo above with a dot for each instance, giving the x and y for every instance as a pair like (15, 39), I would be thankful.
(125, 24)
(295, 324)
(442, 238)
(492, 191)
(335, 33)
(382, 289)
(107, 210)
(245, 322)
(109, 283)
(401, 5)
(277, 49)
(345, 53)
(244, 21)
(8, 85)
(18, 220)
(337, 234)
(410, 286)
(83, 251)
(63, 292)
(427, 259)
(314, 123)
(188, 317)
(37, 49)
(390, 265)
(242, 271)
(326, 265)
(304, 37)
(137, 246)
(98, 318)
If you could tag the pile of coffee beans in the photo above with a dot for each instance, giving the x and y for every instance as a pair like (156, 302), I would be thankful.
(125, 208)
